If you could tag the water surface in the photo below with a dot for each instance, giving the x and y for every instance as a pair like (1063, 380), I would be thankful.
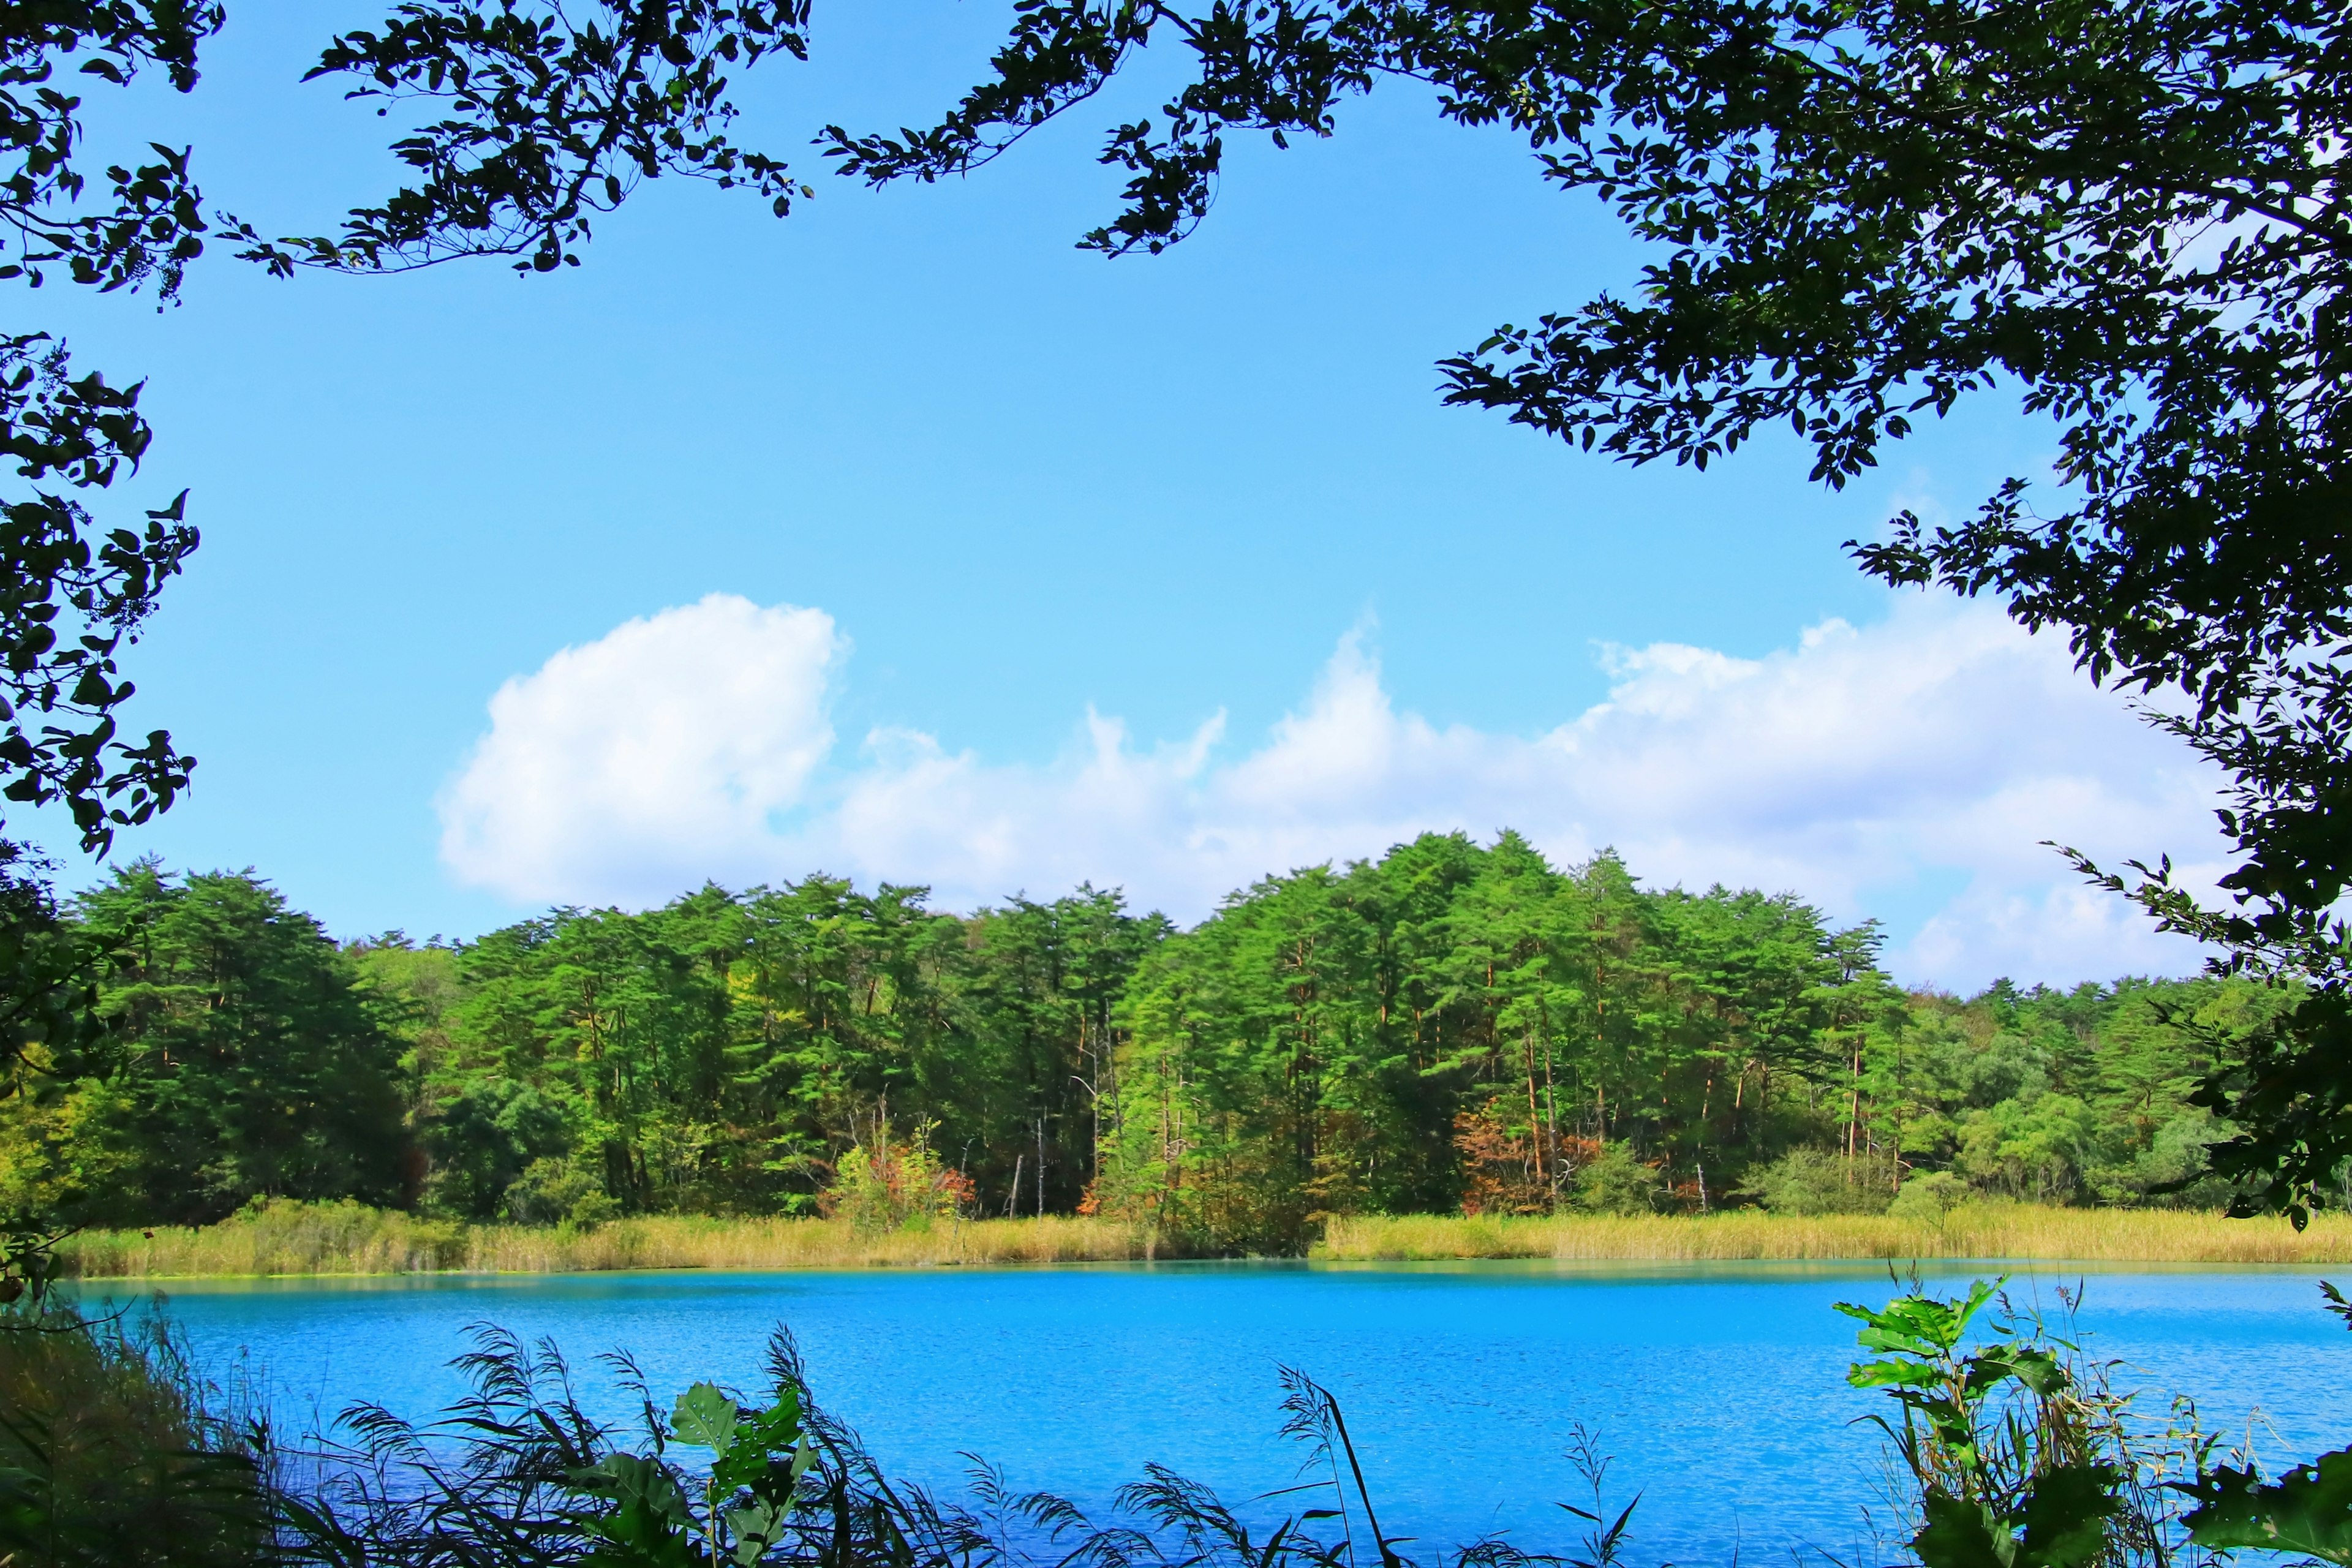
(1719, 1389)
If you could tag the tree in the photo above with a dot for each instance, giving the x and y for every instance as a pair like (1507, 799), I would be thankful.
(2130, 211)
(74, 593)
(550, 115)
(242, 1059)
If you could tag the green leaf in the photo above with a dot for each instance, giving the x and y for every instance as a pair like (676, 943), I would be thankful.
(650, 1524)
(2307, 1510)
(1958, 1535)
(2065, 1516)
(705, 1417)
(760, 1440)
(1893, 1374)
(753, 1526)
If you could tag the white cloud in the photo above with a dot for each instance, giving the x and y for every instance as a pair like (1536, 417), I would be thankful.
(657, 752)
(1909, 768)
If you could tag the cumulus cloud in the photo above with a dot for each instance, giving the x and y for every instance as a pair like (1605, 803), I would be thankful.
(663, 748)
(1909, 768)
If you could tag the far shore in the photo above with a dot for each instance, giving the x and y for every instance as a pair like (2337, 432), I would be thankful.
(291, 1240)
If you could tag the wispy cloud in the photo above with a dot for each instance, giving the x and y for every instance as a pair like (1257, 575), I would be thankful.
(1935, 749)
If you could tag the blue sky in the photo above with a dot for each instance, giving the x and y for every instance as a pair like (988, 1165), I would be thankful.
(1018, 484)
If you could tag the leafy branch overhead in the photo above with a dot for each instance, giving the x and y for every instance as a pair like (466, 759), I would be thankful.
(2130, 214)
(74, 596)
(152, 227)
(546, 124)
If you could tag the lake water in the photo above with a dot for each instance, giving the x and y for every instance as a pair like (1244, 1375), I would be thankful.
(1719, 1389)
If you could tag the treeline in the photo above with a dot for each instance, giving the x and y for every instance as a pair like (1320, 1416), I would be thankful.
(1453, 1026)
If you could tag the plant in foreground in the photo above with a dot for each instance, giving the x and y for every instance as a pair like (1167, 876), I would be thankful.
(2307, 1510)
(2020, 1454)
(114, 1454)
(518, 1475)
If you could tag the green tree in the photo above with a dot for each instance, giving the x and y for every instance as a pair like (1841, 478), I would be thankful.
(549, 116)
(1856, 216)
(242, 1060)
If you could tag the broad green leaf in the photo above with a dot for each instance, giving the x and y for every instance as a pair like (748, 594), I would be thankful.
(650, 1525)
(2307, 1510)
(705, 1417)
(1893, 1374)
(753, 1526)
(2065, 1516)
(1956, 1534)
(760, 1440)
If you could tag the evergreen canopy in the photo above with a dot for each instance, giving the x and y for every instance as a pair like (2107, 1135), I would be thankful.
(1858, 214)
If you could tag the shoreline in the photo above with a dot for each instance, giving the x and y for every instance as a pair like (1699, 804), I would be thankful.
(327, 1240)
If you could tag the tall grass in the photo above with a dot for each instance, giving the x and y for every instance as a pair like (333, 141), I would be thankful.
(1975, 1230)
(349, 1238)
(114, 1454)
(288, 1238)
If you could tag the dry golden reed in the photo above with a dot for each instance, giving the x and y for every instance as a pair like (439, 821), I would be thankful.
(346, 1238)
(1974, 1230)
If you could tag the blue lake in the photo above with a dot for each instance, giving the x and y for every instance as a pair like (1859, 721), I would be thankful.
(1719, 1389)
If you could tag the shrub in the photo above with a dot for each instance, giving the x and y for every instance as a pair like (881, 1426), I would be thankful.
(1929, 1196)
(888, 1185)
(559, 1192)
(1814, 1181)
(1616, 1183)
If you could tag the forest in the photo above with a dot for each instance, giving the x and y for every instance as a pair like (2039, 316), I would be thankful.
(1453, 1027)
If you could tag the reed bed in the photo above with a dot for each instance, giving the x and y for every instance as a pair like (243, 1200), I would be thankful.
(346, 1238)
(1975, 1230)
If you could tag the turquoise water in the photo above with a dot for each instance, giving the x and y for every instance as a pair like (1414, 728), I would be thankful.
(1719, 1389)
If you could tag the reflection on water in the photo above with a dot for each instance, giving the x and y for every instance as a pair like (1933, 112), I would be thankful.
(1718, 1387)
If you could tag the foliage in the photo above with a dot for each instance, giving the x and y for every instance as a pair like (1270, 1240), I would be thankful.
(884, 1184)
(552, 115)
(76, 593)
(1615, 1183)
(559, 1192)
(1399, 1035)
(2020, 1454)
(1930, 1195)
(496, 1147)
(1814, 1181)
(48, 995)
(1458, 1025)
(2289, 1087)
(727, 1053)
(1506, 1171)
(1453, 1027)
(73, 596)
(2307, 1510)
(109, 1455)
(240, 1060)
(1856, 216)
